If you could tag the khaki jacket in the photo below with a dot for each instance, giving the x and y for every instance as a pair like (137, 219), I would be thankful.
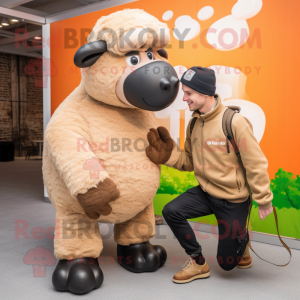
(218, 171)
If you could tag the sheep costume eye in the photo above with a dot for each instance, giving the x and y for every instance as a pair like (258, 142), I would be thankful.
(132, 60)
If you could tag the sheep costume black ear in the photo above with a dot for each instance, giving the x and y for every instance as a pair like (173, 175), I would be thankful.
(89, 53)
(163, 53)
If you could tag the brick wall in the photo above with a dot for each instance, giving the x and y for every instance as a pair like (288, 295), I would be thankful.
(5, 90)
(35, 107)
(5, 98)
(27, 124)
(5, 121)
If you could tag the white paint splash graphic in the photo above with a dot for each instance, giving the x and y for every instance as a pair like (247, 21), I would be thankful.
(205, 13)
(246, 9)
(186, 28)
(168, 15)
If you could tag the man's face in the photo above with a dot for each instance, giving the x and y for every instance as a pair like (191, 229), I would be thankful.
(194, 99)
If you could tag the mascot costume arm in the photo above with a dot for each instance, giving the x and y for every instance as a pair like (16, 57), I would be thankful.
(66, 136)
(163, 149)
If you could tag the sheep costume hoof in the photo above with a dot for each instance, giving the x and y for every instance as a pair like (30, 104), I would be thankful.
(89, 180)
(143, 257)
(78, 276)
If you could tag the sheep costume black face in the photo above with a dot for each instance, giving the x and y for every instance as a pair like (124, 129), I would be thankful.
(89, 177)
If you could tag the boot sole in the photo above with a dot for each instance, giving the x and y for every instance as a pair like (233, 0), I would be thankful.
(205, 275)
(244, 267)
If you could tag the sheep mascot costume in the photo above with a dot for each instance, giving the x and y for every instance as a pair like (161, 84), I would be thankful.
(94, 166)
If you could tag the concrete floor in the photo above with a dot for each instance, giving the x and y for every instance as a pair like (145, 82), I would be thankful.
(21, 200)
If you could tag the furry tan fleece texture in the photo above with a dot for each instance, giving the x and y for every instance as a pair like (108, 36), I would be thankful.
(76, 236)
(81, 121)
(111, 28)
(93, 124)
(138, 229)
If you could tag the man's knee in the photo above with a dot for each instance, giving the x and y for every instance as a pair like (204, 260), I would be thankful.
(227, 263)
(226, 255)
(169, 211)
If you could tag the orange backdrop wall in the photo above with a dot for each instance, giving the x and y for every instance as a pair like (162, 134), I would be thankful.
(273, 89)
(270, 61)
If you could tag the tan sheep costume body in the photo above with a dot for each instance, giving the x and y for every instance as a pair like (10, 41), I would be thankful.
(82, 118)
(93, 122)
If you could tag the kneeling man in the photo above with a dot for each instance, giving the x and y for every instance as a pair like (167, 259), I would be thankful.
(222, 190)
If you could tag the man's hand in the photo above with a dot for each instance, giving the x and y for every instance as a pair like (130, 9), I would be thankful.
(265, 212)
(161, 145)
(95, 201)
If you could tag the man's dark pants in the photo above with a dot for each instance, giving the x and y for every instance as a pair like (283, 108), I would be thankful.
(231, 219)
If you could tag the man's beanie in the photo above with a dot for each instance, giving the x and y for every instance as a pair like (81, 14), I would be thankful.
(202, 80)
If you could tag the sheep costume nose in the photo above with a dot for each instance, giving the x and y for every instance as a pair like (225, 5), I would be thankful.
(152, 87)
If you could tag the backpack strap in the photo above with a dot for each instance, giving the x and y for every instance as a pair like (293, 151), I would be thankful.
(227, 129)
(192, 125)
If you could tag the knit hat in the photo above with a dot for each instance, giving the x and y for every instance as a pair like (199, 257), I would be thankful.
(202, 80)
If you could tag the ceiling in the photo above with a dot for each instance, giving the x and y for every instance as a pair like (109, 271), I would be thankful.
(46, 7)
(12, 41)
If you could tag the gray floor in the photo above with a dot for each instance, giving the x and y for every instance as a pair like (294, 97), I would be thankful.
(21, 198)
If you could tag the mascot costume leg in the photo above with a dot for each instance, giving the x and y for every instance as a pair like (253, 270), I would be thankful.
(95, 167)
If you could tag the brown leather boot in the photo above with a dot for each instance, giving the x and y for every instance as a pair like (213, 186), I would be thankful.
(191, 271)
(246, 261)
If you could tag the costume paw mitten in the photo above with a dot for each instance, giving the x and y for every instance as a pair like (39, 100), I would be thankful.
(160, 145)
(95, 202)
